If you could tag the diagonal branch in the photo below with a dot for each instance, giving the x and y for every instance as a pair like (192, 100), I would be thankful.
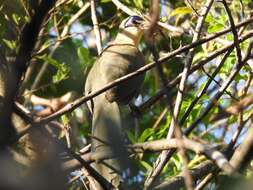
(235, 34)
(195, 67)
(221, 91)
(203, 91)
(163, 157)
(80, 101)
(71, 106)
(177, 182)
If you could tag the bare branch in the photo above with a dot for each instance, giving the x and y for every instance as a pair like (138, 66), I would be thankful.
(198, 148)
(221, 90)
(159, 145)
(16, 70)
(128, 11)
(203, 91)
(52, 105)
(96, 26)
(204, 182)
(177, 182)
(234, 31)
(243, 154)
(162, 159)
(71, 106)
(194, 68)
(80, 101)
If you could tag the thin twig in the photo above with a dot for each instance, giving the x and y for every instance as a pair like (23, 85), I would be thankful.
(203, 91)
(177, 182)
(155, 146)
(235, 34)
(192, 7)
(240, 153)
(128, 11)
(197, 147)
(58, 43)
(71, 106)
(162, 159)
(92, 181)
(100, 179)
(159, 119)
(80, 101)
(195, 67)
(219, 84)
(220, 92)
(242, 104)
(96, 26)
(204, 182)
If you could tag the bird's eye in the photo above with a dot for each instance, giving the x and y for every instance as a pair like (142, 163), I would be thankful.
(135, 22)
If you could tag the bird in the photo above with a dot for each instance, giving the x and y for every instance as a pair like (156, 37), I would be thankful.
(119, 58)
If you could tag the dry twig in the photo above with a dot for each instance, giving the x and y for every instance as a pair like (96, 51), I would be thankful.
(96, 26)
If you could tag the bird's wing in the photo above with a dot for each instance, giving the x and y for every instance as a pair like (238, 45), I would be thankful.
(117, 61)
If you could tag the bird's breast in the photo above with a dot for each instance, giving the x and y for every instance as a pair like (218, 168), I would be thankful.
(117, 61)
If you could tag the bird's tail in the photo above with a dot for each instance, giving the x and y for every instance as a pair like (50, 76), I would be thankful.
(108, 138)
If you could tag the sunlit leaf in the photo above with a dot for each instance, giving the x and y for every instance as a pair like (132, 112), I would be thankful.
(83, 55)
(131, 137)
(10, 44)
(62, 69)
(146, 134)
(16, 18)
(181, 11)
(146, 165)
(65, 119)
(215, 28)
(105, 1)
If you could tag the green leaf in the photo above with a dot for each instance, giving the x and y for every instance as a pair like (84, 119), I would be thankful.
(181, 11)
(16, 18)
(146, 134)
(215, 28)
(10, 44)
(241, 77)
(62, 69)
(138, 4)
(61, 74)
(198, 56)
(65, 119)
(105, 1)
(146, 165)
(51, 61)
(209, 18)
(228, 64)
(215, 24)
(131, 137)
(83, 55)
(27, 19)
(230, 37)
(176, 160)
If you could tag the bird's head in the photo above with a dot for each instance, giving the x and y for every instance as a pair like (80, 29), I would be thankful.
(131, 30)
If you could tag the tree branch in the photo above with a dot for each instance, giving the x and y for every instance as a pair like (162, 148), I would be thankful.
(162, 159)
(197, 173)
(96, 26)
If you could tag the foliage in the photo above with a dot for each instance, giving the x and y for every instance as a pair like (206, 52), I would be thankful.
(70, 60)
